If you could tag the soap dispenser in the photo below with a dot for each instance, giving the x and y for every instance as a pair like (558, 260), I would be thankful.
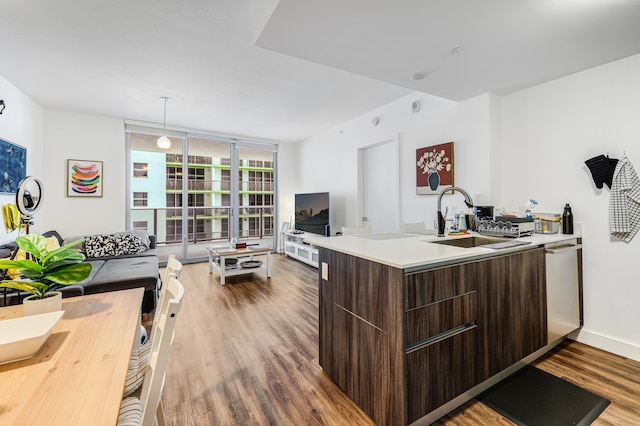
(567, 220)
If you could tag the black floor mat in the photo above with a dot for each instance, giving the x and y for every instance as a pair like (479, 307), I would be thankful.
(532, 397)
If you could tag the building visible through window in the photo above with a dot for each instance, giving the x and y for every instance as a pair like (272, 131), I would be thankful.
(141, 225)
(140, 170)
(195, 193)
(140, 199)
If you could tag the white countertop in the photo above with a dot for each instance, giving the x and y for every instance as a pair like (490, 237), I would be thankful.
(404, 250)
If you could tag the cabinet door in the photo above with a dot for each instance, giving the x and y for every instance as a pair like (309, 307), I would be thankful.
(360, 329)
(440, 372)
(369, 290)
(512, 317)
(357, 363)
(428, 322)
(433, 285)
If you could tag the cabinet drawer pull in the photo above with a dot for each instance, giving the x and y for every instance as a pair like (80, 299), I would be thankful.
(440, 337)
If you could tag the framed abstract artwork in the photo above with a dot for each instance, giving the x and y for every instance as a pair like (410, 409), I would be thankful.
(434, 168)
(13, 166)
(84, 178)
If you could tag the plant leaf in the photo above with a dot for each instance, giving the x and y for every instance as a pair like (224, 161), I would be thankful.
(28, 286)
(33, 275)
(57, 268)
(34, 244)
(70, 274)
(64, 248)
(21, 264)
(62, 258)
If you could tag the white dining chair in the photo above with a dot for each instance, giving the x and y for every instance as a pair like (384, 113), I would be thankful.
(174, 267)
(146, 409)
(140, 354)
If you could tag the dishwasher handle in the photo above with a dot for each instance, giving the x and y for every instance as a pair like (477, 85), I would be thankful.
(563, 249)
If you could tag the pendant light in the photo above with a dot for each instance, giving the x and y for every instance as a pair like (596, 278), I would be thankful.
(163, 141)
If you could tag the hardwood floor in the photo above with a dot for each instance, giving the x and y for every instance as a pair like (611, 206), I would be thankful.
(247, 354)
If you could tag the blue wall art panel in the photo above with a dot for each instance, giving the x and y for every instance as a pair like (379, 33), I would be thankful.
(13, 166)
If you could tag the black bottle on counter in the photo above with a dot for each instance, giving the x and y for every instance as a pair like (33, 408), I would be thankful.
(567, 220)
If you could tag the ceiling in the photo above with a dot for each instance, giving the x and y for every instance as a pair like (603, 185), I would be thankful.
(286, 70)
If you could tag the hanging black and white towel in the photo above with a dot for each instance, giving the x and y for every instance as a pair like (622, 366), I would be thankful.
(624, 206)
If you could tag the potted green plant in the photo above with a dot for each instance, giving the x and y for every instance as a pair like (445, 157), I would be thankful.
(44, 272)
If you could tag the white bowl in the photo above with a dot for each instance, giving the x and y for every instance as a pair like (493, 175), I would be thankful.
(20, 338)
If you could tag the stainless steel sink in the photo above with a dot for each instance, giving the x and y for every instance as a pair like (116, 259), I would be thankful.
(468, 242)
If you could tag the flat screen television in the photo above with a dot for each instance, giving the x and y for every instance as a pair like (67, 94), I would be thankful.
(312, 213)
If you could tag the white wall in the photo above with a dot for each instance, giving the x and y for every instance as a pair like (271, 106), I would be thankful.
(554, 128)
(328, 162)
(78, 136)
(22, 123)
(287, 179)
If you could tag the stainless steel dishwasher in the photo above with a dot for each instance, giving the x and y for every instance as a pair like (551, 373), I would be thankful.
(563, 268)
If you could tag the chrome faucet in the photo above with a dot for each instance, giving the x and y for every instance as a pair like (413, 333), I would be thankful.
(467, 200)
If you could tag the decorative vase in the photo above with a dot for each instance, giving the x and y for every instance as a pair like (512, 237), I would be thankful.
(33, 306)
(434, 180)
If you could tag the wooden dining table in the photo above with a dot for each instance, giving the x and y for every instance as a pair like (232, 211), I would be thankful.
(77, 376)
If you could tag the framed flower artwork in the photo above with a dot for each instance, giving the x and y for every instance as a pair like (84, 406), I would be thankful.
(434, 168)
(84, 178)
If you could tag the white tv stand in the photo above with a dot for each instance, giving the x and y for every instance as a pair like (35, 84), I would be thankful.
(296, 247)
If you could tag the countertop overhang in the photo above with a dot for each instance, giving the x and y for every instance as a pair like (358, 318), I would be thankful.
(413, 251)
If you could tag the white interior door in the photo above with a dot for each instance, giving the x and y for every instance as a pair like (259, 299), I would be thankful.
(379, 187)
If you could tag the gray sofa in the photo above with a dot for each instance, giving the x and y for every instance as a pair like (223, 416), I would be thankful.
(113, 269)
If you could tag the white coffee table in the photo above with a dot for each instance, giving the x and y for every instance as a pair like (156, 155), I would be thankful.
(224, 252)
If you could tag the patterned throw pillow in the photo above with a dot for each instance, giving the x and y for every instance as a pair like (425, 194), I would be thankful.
(119, 244)
(143, 235)
(128, 244)
(100, 246)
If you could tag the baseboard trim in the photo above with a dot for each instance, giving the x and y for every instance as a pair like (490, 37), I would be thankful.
(607, 343)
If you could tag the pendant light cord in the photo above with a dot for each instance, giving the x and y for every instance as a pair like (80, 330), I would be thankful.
(163, 141)
(164, 120)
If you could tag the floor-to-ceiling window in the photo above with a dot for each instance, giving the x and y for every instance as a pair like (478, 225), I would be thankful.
(151, 177)
(208, 207)
(208, 188)
(256, 190)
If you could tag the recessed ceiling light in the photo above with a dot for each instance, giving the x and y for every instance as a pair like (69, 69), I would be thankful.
(419, 75)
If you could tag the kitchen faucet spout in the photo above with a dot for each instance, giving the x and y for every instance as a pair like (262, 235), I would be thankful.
(441, 220)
